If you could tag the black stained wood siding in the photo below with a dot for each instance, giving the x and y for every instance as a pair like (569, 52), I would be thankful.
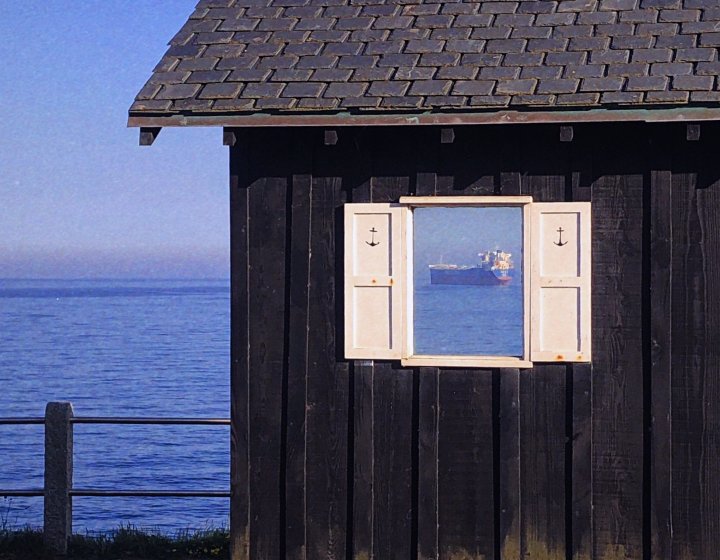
(363, 460)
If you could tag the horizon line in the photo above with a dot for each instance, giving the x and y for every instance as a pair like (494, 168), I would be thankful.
(128, 278)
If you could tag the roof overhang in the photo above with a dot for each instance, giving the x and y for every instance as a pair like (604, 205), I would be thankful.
(653, 114)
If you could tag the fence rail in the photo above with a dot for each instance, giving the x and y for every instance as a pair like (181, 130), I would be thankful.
(151, 493)
(156, 421)
(22, 493)
(31, 420)
(58, 489)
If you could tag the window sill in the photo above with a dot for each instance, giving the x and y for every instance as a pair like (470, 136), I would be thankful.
(467, 361)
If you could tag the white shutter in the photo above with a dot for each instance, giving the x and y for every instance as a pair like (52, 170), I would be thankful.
(560, 282)
(374, 277)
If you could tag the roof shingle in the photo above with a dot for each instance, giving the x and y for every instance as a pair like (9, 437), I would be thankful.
(249, 56)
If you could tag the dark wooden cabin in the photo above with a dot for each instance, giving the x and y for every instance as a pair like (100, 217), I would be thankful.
(325, 102)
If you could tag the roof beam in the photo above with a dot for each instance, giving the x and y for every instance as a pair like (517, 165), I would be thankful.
(693, 132)
(674, 114)
(148, 134)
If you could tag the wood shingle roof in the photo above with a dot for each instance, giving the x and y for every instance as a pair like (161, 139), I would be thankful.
(296, 57)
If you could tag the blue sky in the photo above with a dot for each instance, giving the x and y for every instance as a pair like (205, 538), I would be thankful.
(78, 196)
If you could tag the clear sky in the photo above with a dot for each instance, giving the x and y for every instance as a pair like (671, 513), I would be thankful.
(78, 196)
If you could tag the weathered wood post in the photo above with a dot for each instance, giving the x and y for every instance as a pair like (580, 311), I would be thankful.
(58, 475)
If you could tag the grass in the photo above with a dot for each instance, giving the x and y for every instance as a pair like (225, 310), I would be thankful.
(125, 543)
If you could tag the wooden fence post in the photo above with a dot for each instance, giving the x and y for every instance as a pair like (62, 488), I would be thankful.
(58, 476)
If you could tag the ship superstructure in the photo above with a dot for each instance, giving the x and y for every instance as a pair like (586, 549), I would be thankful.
(493, 269)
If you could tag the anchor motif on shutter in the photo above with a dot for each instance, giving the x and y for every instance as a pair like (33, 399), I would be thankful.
(560, 242)
(372, 241)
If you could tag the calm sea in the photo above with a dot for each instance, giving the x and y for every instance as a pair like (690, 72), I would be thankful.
(118, 348)
(469, 320)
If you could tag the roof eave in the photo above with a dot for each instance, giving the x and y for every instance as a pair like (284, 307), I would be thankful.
(653, 114)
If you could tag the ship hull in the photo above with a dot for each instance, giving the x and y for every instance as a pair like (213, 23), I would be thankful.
(466, 277)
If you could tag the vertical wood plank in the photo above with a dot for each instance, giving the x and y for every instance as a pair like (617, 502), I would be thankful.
(239, 333)
(686, 354)
(511, 543)
(661, 203)
(266, 316)
(617, 407)
(327, 383)
(708, 202)
(428, 464)
(364, 459)
(695, 359)
(581, 470)
(509, 405)
(298, 371)
(580, 534)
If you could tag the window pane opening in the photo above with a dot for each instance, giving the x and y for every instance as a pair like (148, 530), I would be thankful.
(468, 292)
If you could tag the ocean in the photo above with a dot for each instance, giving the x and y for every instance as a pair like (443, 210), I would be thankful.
(118, 348)
(468, 320)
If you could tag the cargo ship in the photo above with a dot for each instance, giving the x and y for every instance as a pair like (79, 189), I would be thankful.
(493, 269)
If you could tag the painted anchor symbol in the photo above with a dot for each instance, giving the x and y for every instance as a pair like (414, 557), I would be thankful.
(372, 241)
(560, 243)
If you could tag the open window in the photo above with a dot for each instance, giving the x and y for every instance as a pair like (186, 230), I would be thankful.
(468, 281)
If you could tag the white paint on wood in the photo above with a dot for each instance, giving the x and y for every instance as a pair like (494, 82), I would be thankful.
(465, 200)
(374, 280)
(560, 277)
(409, 272)
(527, 279)
(557, 332)
(467, 361)
(372, 306)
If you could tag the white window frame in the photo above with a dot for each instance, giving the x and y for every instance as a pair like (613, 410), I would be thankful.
(470, 361)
